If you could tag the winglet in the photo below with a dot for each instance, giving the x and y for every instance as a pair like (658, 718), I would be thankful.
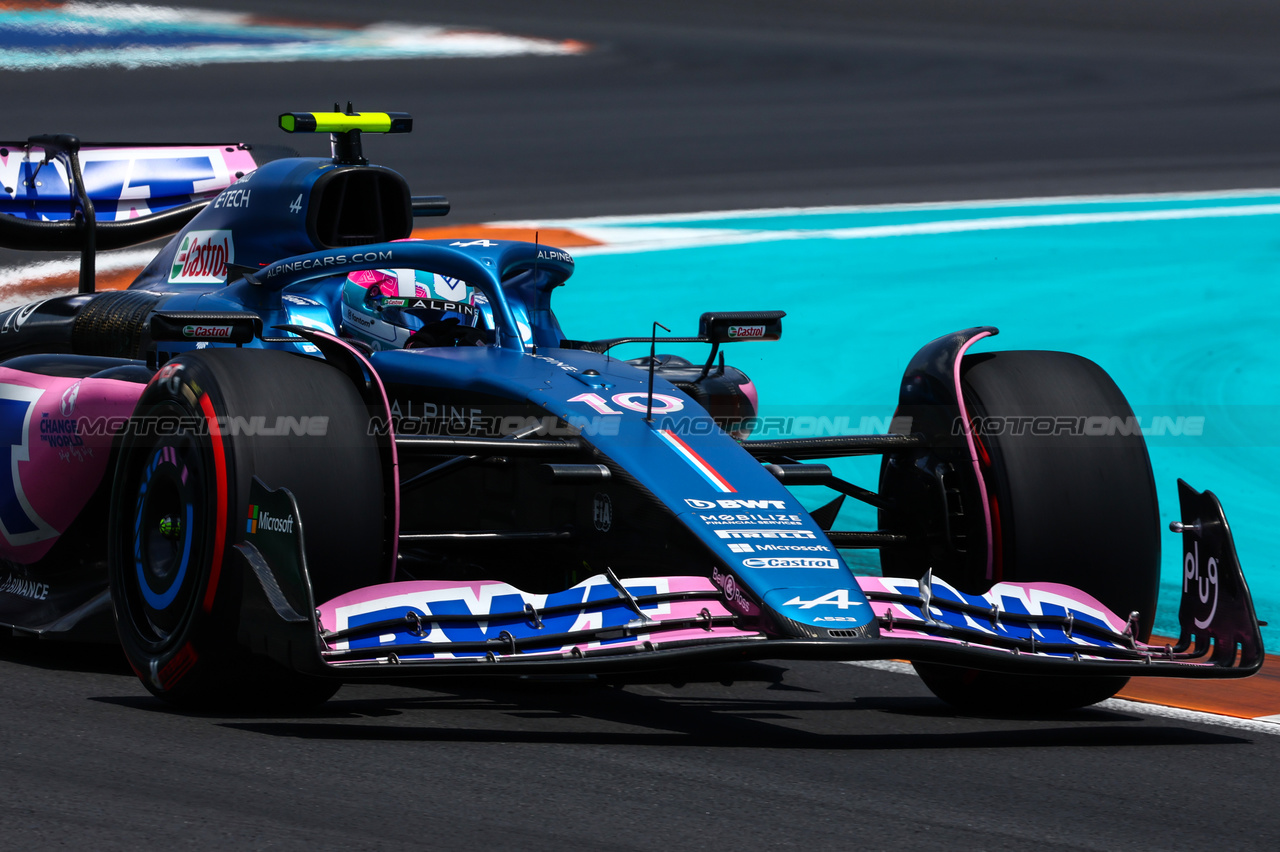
(1216, 604)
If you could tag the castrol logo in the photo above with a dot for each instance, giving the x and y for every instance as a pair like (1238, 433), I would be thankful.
(202, 258)
(207, 331)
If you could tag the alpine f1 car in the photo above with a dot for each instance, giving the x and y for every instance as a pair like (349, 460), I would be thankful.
(302, 448)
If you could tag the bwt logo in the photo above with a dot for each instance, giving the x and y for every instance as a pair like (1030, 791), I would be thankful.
(736, 504)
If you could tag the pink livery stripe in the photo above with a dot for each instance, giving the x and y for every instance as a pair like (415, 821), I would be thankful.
(697, 462)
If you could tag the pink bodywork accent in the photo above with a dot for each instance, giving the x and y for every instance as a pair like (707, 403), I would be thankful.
(420, 594)
(973, 450)
(70, 427)
(234, 159)
(1033, 597)
(237, 160)
(749, 391)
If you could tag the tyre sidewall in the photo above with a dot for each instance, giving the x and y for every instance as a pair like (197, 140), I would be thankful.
(333, 468)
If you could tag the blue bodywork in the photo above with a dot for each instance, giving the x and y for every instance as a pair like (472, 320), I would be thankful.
(747, 521)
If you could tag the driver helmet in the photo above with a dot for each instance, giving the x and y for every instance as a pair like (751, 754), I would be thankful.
(406, 308)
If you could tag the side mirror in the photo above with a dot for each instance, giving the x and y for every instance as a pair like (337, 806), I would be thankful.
(732, 326)
(238, 327)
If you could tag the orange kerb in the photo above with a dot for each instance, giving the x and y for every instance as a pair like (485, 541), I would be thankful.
(556, 237)
(1247, 698)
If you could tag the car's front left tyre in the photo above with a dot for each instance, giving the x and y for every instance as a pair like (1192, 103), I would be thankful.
(203, 428)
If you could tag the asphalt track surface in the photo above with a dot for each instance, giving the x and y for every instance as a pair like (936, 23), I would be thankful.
(683, 106)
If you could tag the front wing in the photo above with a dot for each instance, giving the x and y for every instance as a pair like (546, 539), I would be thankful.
(606, 625)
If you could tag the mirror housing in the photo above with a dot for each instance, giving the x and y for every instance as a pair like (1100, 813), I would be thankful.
(733, 326)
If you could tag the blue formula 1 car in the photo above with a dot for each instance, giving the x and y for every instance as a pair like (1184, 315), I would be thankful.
(302, 448)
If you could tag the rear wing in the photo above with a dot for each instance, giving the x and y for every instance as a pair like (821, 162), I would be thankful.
(60, 195)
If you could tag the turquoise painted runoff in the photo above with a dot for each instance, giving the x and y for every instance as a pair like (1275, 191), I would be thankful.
(1177, 297)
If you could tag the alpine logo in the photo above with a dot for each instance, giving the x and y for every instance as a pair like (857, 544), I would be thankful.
(260, 520)
(790, 562)
(555, 254)
(207, 331)
(839, 598)
(202, 258)
(745, 332)
(736, 504)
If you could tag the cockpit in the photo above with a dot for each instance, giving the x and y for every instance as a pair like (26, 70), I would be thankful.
(414, 308)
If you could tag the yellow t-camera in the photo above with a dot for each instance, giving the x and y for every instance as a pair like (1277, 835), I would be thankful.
(341, 122)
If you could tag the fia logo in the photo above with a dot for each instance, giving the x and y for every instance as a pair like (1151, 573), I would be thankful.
(1205, 585)
(602, 512)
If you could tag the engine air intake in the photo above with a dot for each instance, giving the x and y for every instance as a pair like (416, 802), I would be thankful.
(357, 206)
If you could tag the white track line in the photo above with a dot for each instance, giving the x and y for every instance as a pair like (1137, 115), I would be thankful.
(15, 280)
(765, 212)
(1262, 725)
(695, 238)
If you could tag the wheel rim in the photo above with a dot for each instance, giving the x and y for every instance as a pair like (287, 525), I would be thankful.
(168, 541)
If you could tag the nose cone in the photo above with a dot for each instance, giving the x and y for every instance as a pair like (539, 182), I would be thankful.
(829, 608)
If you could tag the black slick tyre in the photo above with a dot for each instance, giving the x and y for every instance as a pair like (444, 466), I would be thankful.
(1073, 504)
(180, 497)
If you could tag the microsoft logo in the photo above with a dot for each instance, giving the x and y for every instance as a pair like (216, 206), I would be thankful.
(262, 520)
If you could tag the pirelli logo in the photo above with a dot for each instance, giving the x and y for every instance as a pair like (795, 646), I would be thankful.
(806, 534)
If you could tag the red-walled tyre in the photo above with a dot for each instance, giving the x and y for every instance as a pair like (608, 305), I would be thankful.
(179, 499)
(1075, 507)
